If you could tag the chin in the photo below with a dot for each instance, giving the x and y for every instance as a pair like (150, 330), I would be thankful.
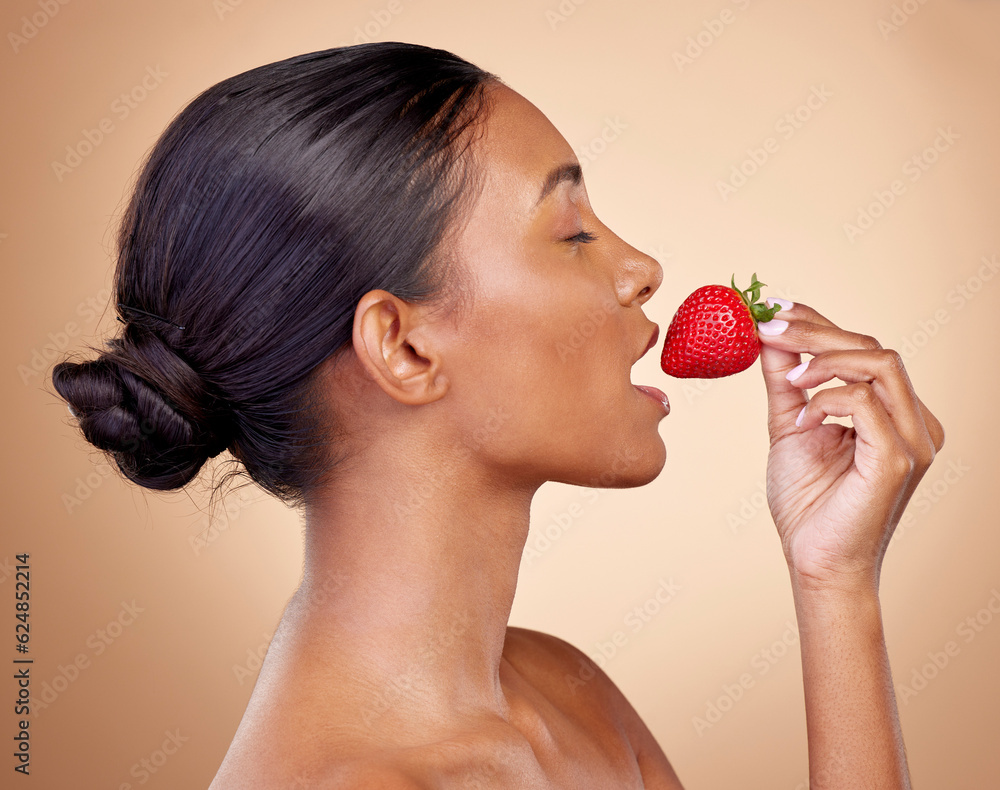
(632, 466)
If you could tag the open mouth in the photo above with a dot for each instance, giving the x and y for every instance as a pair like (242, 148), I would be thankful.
(652, 392)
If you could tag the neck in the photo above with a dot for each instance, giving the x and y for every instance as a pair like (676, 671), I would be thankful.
(408, 585)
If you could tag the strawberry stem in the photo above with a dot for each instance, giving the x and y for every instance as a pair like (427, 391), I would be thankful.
(760, 312)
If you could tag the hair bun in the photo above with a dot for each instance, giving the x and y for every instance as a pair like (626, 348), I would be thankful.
(145, 405)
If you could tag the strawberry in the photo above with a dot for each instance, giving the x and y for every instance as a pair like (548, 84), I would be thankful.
(714, 332)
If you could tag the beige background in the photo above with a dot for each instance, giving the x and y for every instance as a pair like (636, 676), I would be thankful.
(655, 137)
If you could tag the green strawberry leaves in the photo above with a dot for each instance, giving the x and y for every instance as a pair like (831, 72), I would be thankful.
(759, 311)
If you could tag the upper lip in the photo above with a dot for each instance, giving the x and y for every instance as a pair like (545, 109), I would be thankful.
(652, 341)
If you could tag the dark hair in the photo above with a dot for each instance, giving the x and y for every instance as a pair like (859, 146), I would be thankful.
(267, 208)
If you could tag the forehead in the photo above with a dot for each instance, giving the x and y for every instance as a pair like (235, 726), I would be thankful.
(519, 146)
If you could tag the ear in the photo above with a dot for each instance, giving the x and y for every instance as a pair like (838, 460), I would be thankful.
(393, 342)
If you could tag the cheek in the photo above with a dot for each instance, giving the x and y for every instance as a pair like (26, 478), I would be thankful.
(545, 339)
(562, 365)
(545, 389)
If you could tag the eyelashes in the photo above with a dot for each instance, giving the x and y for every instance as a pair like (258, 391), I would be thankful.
(583, 237)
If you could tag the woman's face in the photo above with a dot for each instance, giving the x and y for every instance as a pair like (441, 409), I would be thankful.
(539, 361)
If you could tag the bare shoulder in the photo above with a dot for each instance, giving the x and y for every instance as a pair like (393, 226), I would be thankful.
(377, 777)
(355, 772)
(573, 680)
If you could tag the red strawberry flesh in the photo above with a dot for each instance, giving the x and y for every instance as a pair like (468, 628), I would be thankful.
(714, 332)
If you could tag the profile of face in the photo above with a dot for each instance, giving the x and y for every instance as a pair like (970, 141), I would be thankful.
(536, 366)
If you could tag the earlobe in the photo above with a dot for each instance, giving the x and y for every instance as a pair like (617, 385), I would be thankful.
(393, 343)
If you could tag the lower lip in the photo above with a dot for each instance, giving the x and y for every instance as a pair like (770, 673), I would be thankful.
(656, 395)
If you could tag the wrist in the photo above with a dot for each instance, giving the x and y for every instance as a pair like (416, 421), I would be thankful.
(819, 577)
(853, 600)
(840, 585)
(812, 593)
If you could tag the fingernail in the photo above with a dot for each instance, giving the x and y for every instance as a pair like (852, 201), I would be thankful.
(773, 327)
(771, 301)
(798, 420)
(797, 371)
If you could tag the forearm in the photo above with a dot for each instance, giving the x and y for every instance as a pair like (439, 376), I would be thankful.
(855, 740)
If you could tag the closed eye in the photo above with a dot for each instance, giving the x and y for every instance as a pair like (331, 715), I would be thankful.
(583, 237)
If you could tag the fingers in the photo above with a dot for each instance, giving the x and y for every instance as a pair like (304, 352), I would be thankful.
(852, 357)
(880, 449)
(883, 370)
(785, 401)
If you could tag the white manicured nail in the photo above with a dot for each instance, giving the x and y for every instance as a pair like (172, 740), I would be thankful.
(798, 420)
(771, 301)
(797, 371)
(773, 327)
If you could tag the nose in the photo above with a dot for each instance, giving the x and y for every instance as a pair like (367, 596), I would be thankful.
(639, 276)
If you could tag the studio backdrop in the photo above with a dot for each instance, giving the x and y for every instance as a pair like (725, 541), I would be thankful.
(845, 152)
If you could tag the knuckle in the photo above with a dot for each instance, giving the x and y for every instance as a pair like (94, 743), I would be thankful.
(862, 392)
(891, 359)
(936, 430)
(902, 464)
(870, 343)
(808, 330)
(925, 457)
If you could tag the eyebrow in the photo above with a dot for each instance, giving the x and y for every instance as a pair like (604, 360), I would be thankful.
(567, 172)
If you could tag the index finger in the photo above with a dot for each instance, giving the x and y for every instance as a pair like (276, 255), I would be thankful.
(785, 400)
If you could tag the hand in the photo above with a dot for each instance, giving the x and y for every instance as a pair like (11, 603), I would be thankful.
(836, 493)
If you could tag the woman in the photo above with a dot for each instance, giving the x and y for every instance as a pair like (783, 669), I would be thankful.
(356, 270)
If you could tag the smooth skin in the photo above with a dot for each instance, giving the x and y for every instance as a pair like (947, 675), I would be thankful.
(393, 665)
